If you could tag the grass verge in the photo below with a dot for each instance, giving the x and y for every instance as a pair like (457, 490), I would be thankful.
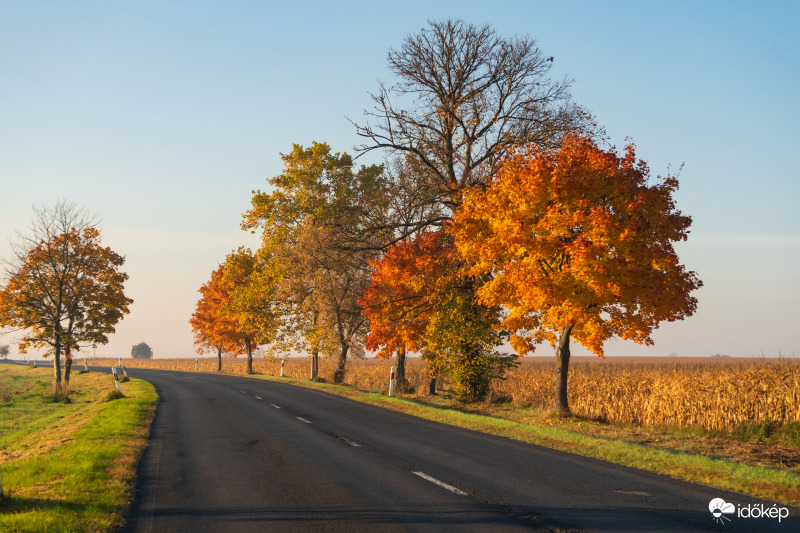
(654, 452)
(69, 466)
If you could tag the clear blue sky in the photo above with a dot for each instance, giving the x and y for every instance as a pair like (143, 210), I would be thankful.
(161, 117)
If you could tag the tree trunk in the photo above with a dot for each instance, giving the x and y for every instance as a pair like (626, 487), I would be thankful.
(432, 386)
(314, 364)
(219, 358)
(338, 375)
(57, 385)
(562, 370)
(400, 372)
(67, 366)
(249, 346)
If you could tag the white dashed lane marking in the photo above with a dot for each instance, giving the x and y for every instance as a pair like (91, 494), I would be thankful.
(442, 484)
(275, 406)
(301, 419)
(259, 398)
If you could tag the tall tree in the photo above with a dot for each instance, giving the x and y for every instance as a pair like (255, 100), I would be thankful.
(577, 243)
(250, 299)
(318, 198)
(62, 287)
(463, 98)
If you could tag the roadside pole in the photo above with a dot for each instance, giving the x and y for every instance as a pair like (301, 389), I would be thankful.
(124, 371)
(195, 364)
(116, 379)
(283, 362)
(391, 383)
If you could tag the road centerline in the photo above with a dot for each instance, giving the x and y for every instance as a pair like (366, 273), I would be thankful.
(442, 484)
(352, 443)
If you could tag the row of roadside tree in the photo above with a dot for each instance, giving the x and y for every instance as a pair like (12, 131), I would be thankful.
(497, 218)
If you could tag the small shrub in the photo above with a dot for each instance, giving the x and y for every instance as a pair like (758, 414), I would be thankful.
(757, 432)
(114, 395)
(789, 434)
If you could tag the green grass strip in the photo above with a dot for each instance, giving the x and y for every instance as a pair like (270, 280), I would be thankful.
(69, 466)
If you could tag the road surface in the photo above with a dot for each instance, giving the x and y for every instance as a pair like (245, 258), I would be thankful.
(231, 453)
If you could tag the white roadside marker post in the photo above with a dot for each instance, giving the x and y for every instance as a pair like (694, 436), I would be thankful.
(195, 364)
(283, 362)
(116, 379)
(85, 364)
(391, 383)
(124, 371)
(120, 360)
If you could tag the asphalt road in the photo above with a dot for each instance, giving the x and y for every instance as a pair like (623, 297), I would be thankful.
(231, 453)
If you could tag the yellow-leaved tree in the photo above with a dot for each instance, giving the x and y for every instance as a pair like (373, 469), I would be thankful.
(576, 242)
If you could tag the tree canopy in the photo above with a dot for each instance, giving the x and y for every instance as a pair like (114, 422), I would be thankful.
(62, 287)
(318, 199)
(494, 217)
(463, 97)
(141, 350)
(577, 242)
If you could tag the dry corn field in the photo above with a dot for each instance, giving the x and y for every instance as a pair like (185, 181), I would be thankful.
(715, 394)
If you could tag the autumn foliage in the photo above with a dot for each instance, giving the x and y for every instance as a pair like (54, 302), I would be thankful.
(234, 313)
(64, 288)
(406, 284)
(214, 327)
(577, 236)
(420, 300)
(576, 242)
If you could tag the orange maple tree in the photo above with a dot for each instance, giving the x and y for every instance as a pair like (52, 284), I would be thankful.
(405, 284)
(420, 301)
(213, 325)
(577, 243)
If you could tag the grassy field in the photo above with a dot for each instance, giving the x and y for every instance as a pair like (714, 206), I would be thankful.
(69, 466)
(727, 423)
